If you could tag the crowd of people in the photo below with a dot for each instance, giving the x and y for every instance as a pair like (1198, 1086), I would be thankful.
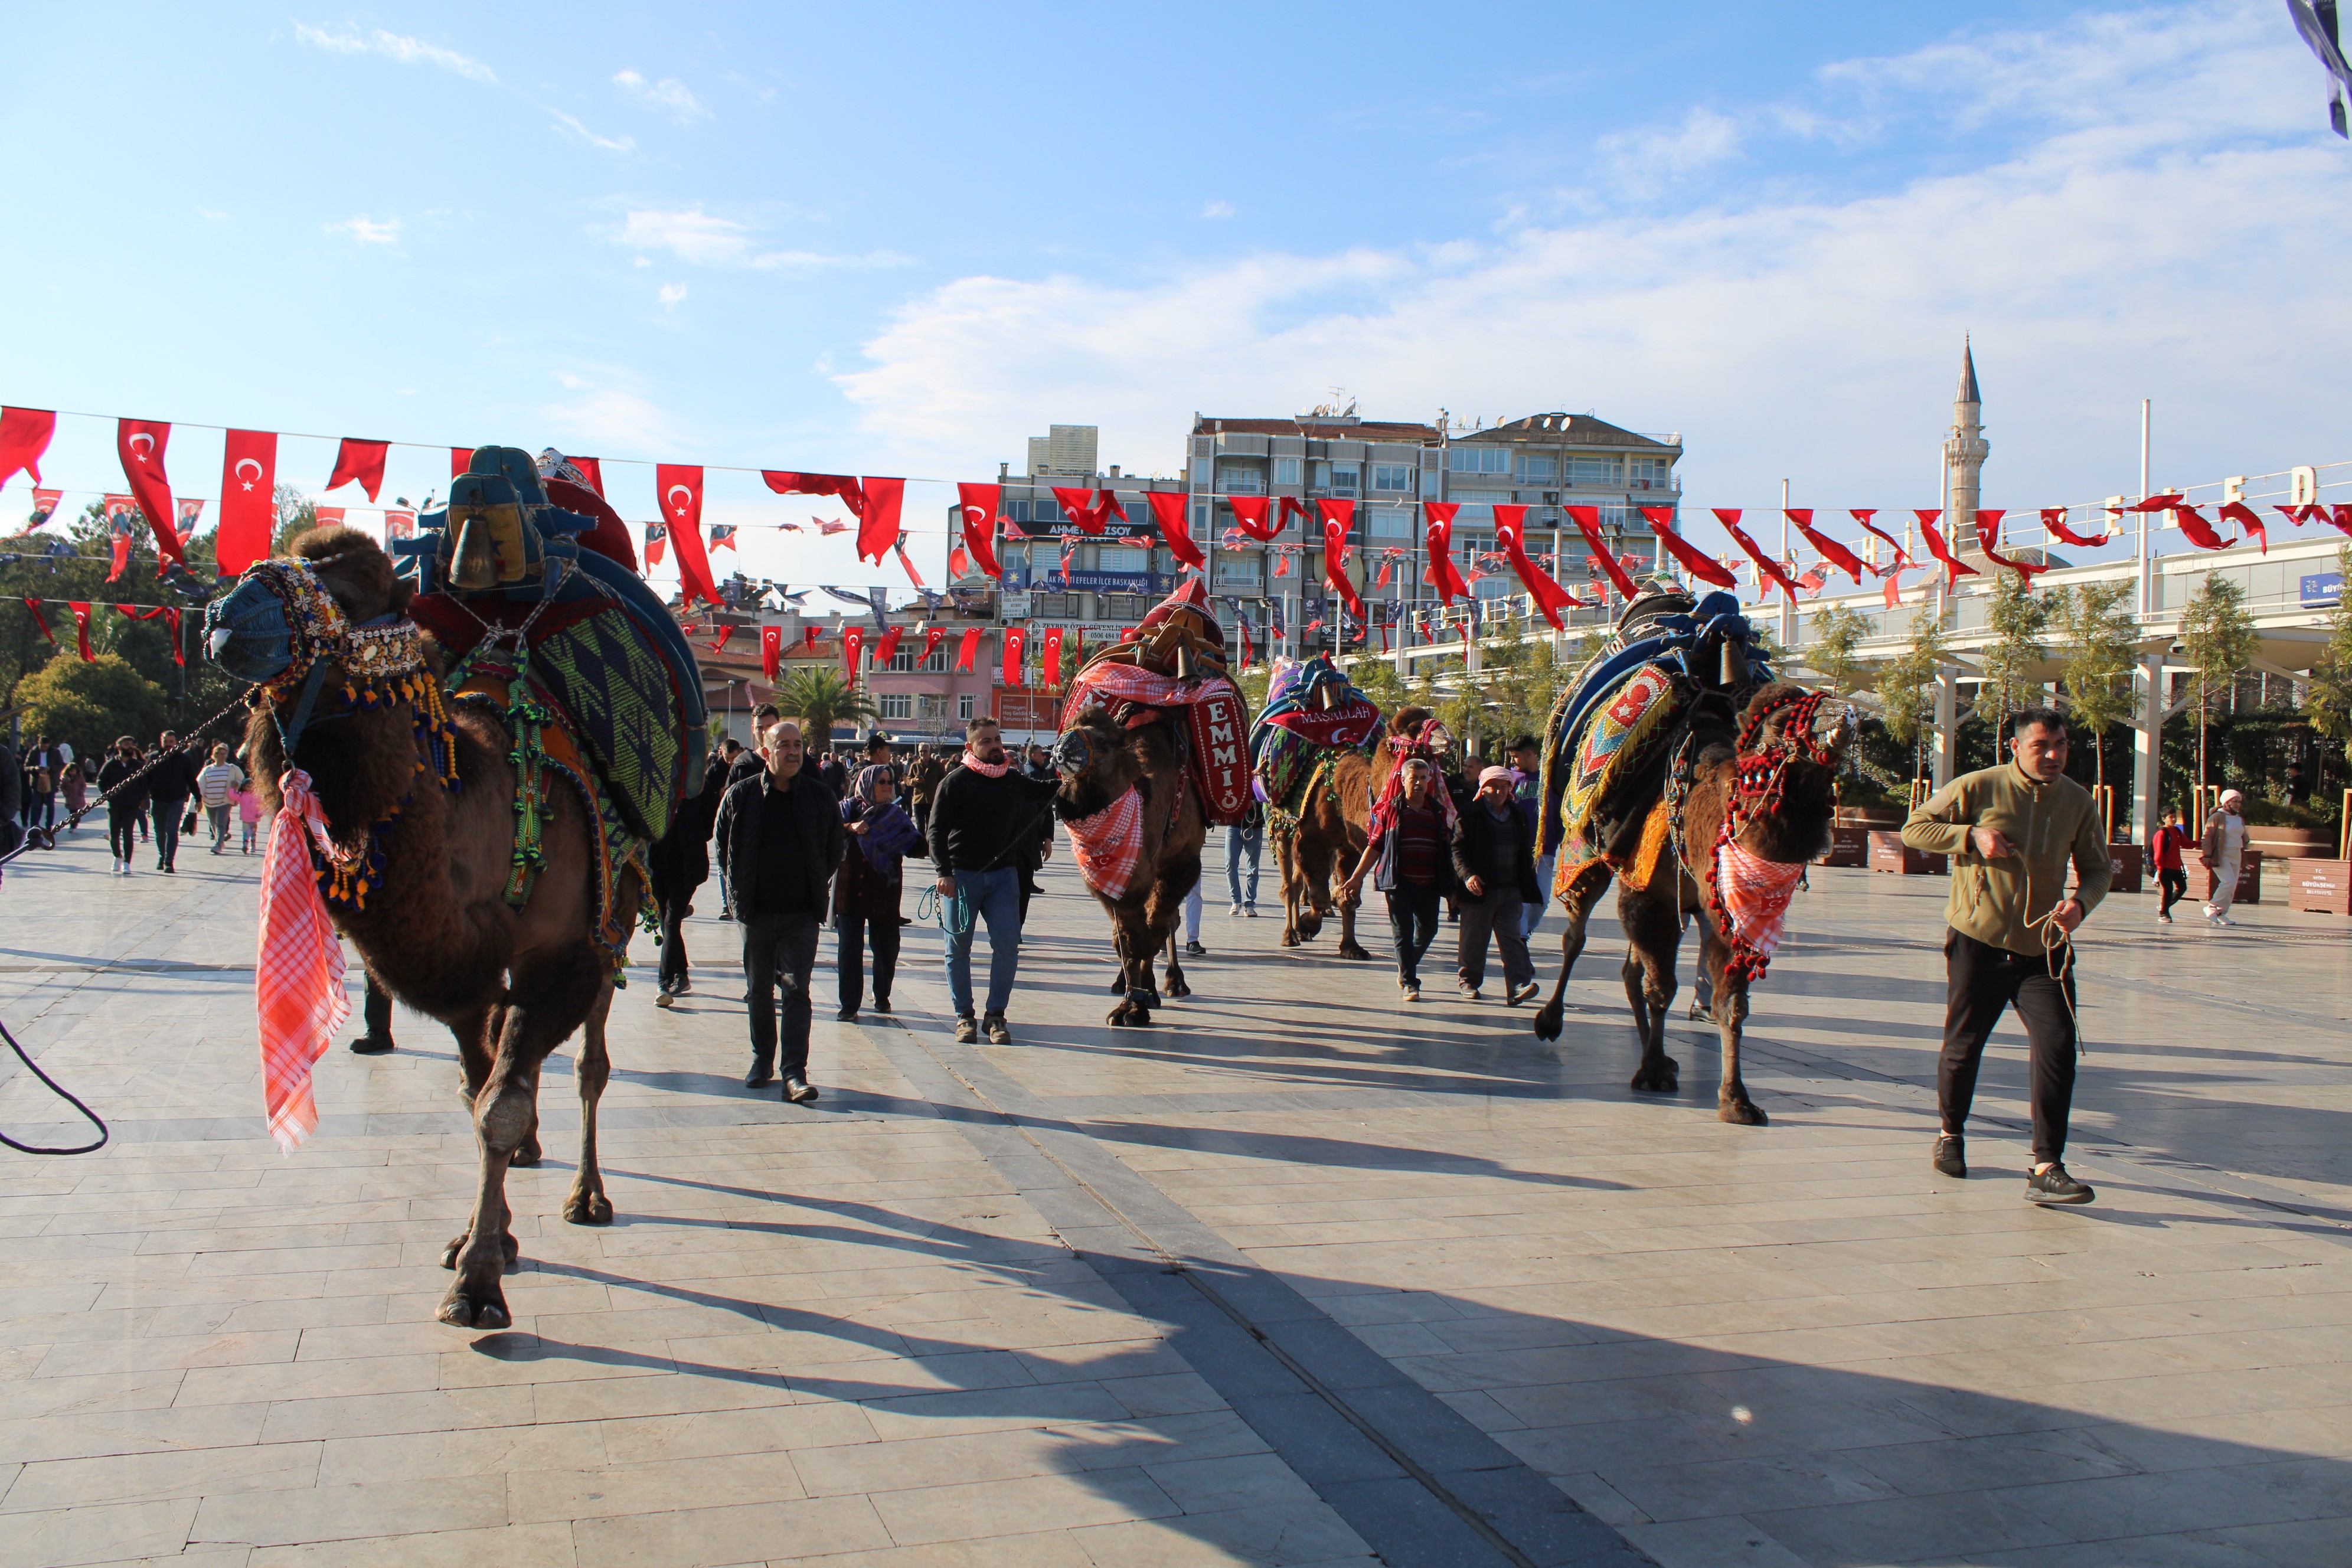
(153, 795)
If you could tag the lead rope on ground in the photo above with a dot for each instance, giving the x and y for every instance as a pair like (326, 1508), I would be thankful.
(62, 1093)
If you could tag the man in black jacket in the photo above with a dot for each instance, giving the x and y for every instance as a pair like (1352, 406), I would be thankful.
(679, 862)
(169, 787)
(983, 820)
(1495, 862)
(780, 842)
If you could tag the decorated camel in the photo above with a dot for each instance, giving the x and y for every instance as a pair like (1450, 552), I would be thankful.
(477, 833)
(1676, 766)
(1312, 753)
(1151, 755)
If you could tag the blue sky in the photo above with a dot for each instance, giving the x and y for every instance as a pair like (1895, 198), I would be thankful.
(899, 238)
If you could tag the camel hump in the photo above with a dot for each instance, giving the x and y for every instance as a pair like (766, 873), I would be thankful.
(1408, 721)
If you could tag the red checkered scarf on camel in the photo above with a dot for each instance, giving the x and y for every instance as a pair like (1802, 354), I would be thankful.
(1751, 894)
(1109, 846)
(1428, 744)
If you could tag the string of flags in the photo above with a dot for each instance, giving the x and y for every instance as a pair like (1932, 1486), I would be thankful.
(82, 610)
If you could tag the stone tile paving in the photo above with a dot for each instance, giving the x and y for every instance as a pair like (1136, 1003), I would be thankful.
(1437, 1277)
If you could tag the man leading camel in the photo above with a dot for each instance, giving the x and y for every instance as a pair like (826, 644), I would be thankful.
(2010, 831)
(779, 840)
(984, 817)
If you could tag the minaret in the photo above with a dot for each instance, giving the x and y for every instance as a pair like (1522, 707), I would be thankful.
(1965, 451)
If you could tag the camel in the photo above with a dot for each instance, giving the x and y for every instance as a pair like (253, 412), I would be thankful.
(437, 931)
(1325, 845)
(1099, 762)
(1786, 827)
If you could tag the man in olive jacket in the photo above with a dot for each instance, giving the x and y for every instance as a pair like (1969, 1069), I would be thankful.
(2010, 831)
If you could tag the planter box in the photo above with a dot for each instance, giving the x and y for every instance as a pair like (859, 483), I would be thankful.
(2292, 843)
(1870, 816)
(2321, 886)
(1849, 845)
(1889, 853)
(2200, 880)
(2130, 861)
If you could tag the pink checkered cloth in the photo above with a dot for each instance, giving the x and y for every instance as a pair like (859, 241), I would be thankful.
(1756, 894)
(298, 976)
(1109, 844)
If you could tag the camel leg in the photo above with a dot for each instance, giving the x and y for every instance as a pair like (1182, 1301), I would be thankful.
(1168, 905)
(1582, 895)
(1731, 1101)
(1349, 946)
(1135, 955)
(1314, 868)
(1285, 865)
(478, 1036)
(542, 1009)
(1652, 934)
(587, 1204)
(1172, 986)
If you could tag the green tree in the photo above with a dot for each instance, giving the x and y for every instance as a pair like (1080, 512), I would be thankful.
(90, 705)
(821, 698)
(2327, 699)
(2096, 639)
(1906, 686)
(2016, 619)
(1837, 633)
(2219, 637)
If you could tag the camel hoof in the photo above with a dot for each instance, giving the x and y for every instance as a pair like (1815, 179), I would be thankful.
(1661, 1077)
(1290, 939)
(1309, 927)
(1548, 1021)
(1176, 988)
(449, 1253)
(588, 1208)
(1741, 1114)
(1352, 949)
(460, 1309)
(526, 1157)
(1119, 984)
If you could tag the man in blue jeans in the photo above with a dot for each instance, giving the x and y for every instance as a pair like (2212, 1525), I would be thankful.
(984, 812)
(1244, 839)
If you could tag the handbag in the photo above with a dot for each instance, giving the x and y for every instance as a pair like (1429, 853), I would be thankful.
(188, 823)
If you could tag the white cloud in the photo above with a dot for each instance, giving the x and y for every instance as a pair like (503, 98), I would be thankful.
(367, 230)
(394, 47)
(1218, 209)
(1645, 159)
(605, 413)
(700, 239)
(669, 95)
(572, 128)
(671, 293)
(2168, 221)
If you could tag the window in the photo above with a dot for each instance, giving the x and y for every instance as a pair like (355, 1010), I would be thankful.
(1126, 607)
(1241, 480)
(932, 709)
(1347, 478)
(1201, 473)
(1591, 470)
(1055, 604)
(1394, 477)
(963, 707)
(1042, 510)
(897, 705)
(1648, 473)
(1539, 468)
(1392, 522)
(1285, 470)
(1479, 460)
(1199, 514)
(905, 662)
(1240, 571)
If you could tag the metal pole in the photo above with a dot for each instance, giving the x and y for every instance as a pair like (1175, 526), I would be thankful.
(1787, 610)
(2143, 557)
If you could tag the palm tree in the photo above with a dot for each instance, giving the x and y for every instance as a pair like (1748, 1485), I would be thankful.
(821, 698)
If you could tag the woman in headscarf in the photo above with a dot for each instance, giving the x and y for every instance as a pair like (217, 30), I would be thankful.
(865, 890)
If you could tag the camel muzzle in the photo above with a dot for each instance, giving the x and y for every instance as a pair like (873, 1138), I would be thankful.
(1073, 754)
(246, 634)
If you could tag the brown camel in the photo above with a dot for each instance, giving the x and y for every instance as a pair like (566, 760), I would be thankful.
(437, 931)
(1315, 857)
(1099, 762)
(1786, 829)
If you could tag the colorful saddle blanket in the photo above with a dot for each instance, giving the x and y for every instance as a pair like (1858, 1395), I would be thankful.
(1215, 721)
(1312, 714)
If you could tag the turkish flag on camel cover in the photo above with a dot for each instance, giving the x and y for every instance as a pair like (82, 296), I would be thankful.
(141, 443)
(248, 511)
(682, 503)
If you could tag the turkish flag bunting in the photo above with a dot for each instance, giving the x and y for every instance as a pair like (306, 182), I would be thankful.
(1700, 565)
(724, 633)
(1091, 516)
(1766, 569)
(1250, 516)
(327, 516)
(24, 435)
(932, 638)
(460, 459)
(1902, 556)
(248, 513)
(978, 506)
(853, 648)
(1510, 531)
(81, 629)
(360, 461)
(907, 562)
(792, 484)
(772, 651)
(968, 653)
(679, 489)
(958, 563)
(722, 536)
(179, 643)
(1338, 517)
(1282, 562)
(1054, 657)
(45, 506)
(1167, 511)
(1587, 523)
(657, 537)
(40, 620)
(1442, 574)
(592, 470)
(888, 649)
(808, 638)
(1954, 568)
(878, 525)
(2054, 517)
(121, 540)
(2249, 519)
(141, 443)
(2200, 531)
(1016, 642)
(1894, 575)
(2299, 515)
(1989, 540)
(2164, 502)
(1836, 554)
(1249, 648)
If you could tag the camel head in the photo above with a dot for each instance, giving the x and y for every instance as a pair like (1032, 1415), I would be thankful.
(287, 616)
(1791, 742)
(1096, 761)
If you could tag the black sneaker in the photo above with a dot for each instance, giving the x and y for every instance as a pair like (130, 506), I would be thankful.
(1952, 1156)
(2055, 1186)
(998, 1034)
(1194, 949)
(760, 1076)
(846, 1016)
(372, 1045)
(967, 1030)
(881, 1003)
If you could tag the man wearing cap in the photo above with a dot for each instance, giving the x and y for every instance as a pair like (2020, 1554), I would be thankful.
(2224, 849)
(1495, 862)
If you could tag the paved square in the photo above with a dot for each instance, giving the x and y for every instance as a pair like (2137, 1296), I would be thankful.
(1302, 1276)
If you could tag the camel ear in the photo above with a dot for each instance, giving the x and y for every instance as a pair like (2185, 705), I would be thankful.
(354, 569)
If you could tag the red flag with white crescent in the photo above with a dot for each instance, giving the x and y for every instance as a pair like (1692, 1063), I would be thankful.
(1442, 574)
(81, 609)
(360, 462)
(141, 443)
(248, 513)
(1052, 656)
(853, 648)
(1954, 567)
(968, 656)
(932, 638)
(878, 525)
(1338, 517)
(1017, 644)
(888, 649)
(1835, 553)
(679, 487)
(1587, 523)
(772, 651)
(976, 508)
(1167, 511)
(24, 435)
(1510, 531)
(2054, 517)
(1250, 516)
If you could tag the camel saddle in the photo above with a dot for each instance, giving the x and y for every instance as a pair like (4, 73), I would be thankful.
(1313, 715)
(508, 578)
(1175, 671)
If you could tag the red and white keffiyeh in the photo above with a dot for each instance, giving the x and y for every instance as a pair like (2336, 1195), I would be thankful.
(298, 976)
(988, 770)
(1108, 844)
(1754, 896)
